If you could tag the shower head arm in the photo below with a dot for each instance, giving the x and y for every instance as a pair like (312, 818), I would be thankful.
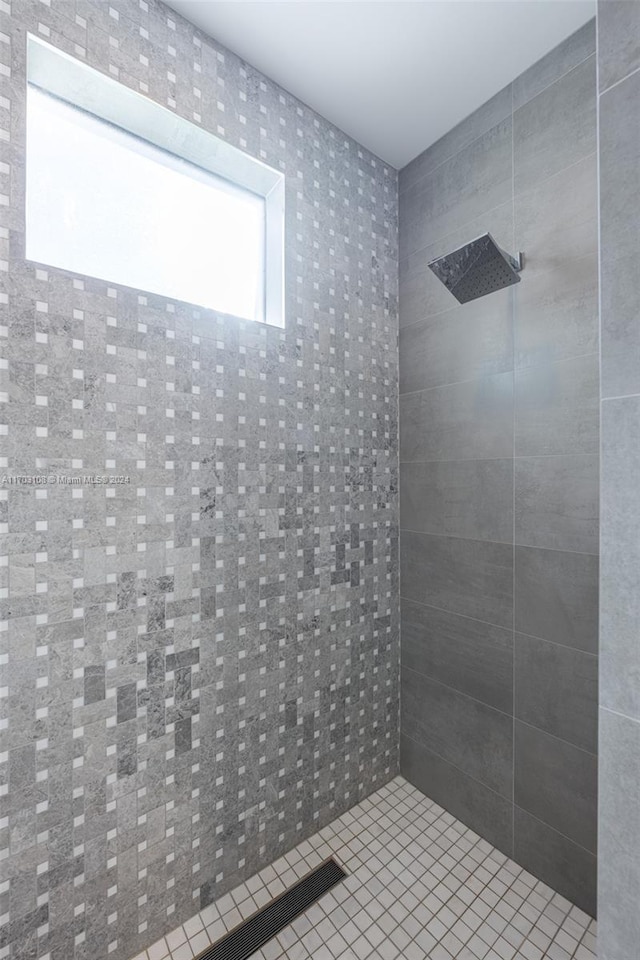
(516, 262)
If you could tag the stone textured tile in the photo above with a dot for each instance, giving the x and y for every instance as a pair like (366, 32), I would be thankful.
(483, 810)
(557, 408)
(618, 41)
(560, 863)
(460, 498)
(619, 237)
(474, 658)
(556, 597)
(461, 136)
(619, 835)
(556, 689)
(556, 221)
(175, 644)
(472, 736)
(555, 64)
(466, 342)
(555, 129)
(619, 145)
(462, 428)
(556, 503)
(460, 421)
(557, 783)
(474, 179)
(556, 314)
(620, 563)
(469, 577)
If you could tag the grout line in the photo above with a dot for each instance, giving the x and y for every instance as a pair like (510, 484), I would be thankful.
(519, 196)
(517, 369)
(618, 83)
(454, 613)
(461, 693)
(619, 713)
(404, 806)
(455, 153)
(527, 546)
(562, 76)
(455, 383)
(569, 743)
(555, 643)
(625, 396)
(498, 122)
(455, 536)
(555, 830)
(462, 460)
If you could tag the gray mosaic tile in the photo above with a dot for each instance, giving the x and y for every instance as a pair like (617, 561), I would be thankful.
(202, 663)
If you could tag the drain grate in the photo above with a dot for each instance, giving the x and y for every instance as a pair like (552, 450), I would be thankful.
(249, 936)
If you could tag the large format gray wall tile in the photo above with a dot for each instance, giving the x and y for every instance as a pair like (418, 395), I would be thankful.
(620, 236)
(556, 689)
(499, 416)
(470, 577)
(619, 811)
(235, 575)
(557, 316)
(555, 129)
(467, 342)
(459, 498)
(473, 657)
(557, 408)
(482, 809)
(475, 179)
(557, 783)
(559, 862)
(555, 64)
(470, 735)
(459, 421)
(557, 219)
(618, 47)
(619, 837)
(620, 561)
(462, 135)
(556, 596)
(556, 503)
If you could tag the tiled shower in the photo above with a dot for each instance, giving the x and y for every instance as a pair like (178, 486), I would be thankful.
(346, 603)
(499, 425)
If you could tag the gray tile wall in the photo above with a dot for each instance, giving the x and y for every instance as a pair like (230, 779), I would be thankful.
(499, 439)
(619, 787)
(202, 668)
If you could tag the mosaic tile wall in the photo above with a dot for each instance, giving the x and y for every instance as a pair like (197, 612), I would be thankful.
(200, 667)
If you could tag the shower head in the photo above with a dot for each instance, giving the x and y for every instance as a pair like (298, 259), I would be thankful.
(477, 268)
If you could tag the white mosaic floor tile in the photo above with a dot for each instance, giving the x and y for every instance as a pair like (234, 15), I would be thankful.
(420, 886)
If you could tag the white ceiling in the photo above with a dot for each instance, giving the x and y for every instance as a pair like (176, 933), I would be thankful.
(395, 75)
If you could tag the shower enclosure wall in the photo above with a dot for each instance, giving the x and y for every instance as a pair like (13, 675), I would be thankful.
(202, 669)
(499, 475)
(619, 788)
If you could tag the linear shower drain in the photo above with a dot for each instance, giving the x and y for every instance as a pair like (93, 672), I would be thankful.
(253, 933)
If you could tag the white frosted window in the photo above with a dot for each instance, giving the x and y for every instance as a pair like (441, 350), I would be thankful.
(105, 203)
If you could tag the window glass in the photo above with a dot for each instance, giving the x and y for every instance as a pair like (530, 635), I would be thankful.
(104, 203)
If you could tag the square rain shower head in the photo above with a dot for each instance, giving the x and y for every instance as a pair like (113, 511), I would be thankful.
(477, 268)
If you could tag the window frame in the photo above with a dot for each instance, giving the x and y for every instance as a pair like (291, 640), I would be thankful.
(61, 76)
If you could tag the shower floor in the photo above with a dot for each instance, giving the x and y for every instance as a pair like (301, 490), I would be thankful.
(420, 885)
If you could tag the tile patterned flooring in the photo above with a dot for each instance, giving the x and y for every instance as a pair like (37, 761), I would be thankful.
(420, 885)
